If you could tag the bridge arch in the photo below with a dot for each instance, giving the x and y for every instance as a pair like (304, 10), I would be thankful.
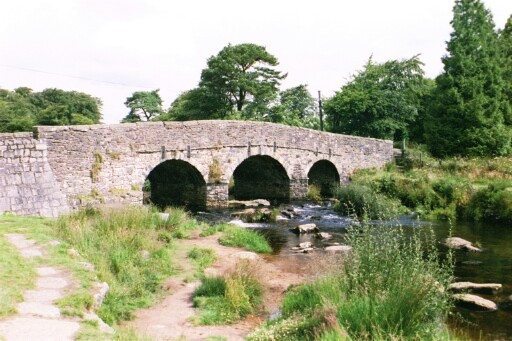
(260, 177)
(175, 183)
(325, 176)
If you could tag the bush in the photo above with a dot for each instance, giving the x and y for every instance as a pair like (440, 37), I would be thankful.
(493, 203)
(362, 201)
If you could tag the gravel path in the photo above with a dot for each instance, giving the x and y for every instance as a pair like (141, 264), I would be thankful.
(38, 317)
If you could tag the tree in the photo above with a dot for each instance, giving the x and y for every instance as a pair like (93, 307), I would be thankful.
(505, 47)
(380, 101)
(22, 108)
(296, 107)
(242, 79)
(144, 106)
(467, 116)
(195, 104)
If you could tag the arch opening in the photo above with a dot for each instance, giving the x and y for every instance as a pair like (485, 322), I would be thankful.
(260, 177)
(325, 177)
(175, 183)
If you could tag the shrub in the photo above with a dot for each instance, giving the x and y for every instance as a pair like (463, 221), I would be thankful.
(314, 193)
(362, 201)
(493, 203)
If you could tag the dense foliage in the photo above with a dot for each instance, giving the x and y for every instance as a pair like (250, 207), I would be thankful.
(22, 108)
(144, 106)
(468, 115)
(380, 101)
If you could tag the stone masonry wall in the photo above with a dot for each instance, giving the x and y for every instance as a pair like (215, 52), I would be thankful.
(27, 184)
(108, 164)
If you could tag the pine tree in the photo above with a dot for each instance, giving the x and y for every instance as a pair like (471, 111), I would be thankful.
(505, 47)
(467, 116)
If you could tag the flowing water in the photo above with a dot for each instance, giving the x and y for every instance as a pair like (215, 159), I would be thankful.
(493, 265)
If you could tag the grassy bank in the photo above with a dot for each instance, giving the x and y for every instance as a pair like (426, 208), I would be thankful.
(476, 189)
(387, 289)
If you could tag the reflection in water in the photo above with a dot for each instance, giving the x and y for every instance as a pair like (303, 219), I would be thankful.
(494, 264)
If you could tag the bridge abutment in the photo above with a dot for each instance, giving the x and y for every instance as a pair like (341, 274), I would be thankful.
(217, 195)
(298, 189)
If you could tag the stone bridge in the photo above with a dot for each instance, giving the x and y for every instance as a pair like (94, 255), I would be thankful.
(196, 163)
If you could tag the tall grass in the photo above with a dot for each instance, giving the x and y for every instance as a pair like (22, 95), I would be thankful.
(229, 298)
(390, 288)
(132, 250)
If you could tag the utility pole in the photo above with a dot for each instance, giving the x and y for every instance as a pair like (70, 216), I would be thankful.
(320, 111)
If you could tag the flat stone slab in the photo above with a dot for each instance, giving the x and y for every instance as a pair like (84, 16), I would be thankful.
(26, 247)
(42, 296)
(338, 248)
(41, 329)
(475, 302)
(51, 283)
(477, 287)
(46, 271)
(38, 309)
(460, 244)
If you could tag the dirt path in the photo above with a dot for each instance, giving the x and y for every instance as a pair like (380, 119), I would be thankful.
(38, 317)
(170, 319)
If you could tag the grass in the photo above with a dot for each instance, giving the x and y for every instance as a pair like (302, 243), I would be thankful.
(227, 299)
(235, 236)
(17, 274)
(388, 288)
(76, 303)
(202, 257)
(131, 249)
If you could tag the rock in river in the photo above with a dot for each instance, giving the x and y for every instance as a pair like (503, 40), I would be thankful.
(487, 288)
(305, 228)
(475, 302)
(460, 244)
(323, 235)
(338, 248)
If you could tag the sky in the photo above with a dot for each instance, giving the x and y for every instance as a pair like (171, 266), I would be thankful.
(112, 48)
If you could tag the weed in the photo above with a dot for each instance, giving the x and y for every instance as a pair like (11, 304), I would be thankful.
(96, 167)
(75, 304)
(215, 172)
(314, 192)
(202, 257)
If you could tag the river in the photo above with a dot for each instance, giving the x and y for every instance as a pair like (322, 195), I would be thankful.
(493, 265)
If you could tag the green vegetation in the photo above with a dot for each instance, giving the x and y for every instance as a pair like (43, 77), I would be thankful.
(131, 249)
(235, 236)
(478, 189)
(202, 257)
(389, 287)
(76, 303)
(144, 106)
(16, 273)
(22, 109)
(363, 202)
(230, 298)
(314, 193)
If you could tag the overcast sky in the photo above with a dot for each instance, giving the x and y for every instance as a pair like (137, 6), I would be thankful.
(111, 48)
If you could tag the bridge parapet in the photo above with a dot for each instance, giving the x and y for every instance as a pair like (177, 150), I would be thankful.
(109, 163)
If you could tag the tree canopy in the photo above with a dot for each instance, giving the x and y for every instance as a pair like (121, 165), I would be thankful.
(467, 116)
(295, 107)
(380, 101)
(22, 108)
(241, 78)
(144, 106)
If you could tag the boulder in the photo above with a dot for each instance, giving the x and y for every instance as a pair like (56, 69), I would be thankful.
(460, 244)
(100, 291)
(247, 255)
(305, 245)
(323, 235)
(474, 302)
(338, 248)
(253, 215)
(305, 228)
(486, 288)
(248, 203)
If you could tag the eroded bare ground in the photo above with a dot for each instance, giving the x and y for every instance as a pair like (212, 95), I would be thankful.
(171, 318)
